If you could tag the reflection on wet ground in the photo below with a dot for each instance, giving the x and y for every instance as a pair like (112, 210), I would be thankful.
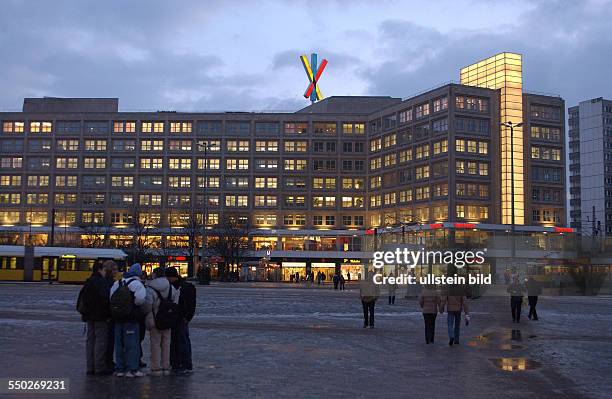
(516, 363)
(516, 335)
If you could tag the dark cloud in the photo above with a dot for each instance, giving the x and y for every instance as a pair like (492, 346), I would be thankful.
(144, 52)
(566, 47)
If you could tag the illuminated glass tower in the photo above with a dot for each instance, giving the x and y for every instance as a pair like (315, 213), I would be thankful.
(504, 72)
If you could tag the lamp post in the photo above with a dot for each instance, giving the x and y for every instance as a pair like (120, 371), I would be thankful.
(205, 202)
(511, 125)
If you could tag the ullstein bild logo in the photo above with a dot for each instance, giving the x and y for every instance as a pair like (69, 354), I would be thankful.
(405, 257)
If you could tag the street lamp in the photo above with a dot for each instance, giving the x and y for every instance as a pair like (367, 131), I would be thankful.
(205, 146)
(511, 125)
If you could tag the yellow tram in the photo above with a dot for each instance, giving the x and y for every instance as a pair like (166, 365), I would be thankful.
(53, 264)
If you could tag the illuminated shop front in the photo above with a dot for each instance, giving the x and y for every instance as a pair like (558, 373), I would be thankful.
(327, 268)
(352, 268)
(289, 269)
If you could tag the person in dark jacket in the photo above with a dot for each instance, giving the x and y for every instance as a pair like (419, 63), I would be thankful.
(516, 291)
(97, 315)
(534, 289)
(336, 281)
(111, 269)
(180, 343)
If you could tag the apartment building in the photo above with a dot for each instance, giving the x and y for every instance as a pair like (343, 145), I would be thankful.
(590, 142)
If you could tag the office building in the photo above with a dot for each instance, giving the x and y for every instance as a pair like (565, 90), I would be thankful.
(310, 187)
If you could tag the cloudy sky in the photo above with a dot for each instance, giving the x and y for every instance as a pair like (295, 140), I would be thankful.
(209, 55)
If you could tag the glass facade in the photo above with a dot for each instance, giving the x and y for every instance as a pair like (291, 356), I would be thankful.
(504, 72)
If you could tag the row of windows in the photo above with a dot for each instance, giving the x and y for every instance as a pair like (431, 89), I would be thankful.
(545, 153)
(439, 213)
(349, 183)
(231, 200)
(178, 219)
(232, 127)
(241, 164)
(178, 145)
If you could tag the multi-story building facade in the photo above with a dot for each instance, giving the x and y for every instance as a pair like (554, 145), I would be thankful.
(590, 141)
(310, 186)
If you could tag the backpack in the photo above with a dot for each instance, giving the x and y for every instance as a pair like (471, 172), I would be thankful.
(122, 302)
(82, 305)
(168, 313)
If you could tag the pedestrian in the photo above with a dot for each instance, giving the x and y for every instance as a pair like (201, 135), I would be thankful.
(336, 281)
(112, 268)
(180, 348)
(158, 290)
(94, 305)
(342, 282)
(126, 297)
(318, 278)
(454, 302)
(534, 289)
(516, 290)
(430, 305)
(322, 278)
(142, 328)
(369, 293)
(392, 289)
(348, 276)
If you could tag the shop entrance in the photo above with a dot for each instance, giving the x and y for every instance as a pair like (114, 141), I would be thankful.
(289, 269)
(327, 268)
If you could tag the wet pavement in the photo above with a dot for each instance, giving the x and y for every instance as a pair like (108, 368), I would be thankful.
(254, 341)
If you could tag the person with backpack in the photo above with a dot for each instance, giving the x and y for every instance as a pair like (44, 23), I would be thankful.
(126, 297)
(94, 306)
(180, 348)
(162, 313)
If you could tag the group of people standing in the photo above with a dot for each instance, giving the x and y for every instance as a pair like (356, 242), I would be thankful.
(118, 312)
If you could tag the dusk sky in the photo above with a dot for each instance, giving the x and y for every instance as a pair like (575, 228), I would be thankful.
(239, 55)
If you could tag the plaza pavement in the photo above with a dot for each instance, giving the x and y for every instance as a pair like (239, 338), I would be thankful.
(270, 340)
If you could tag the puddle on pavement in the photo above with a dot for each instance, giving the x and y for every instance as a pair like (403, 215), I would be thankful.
(213, 366)
(478, 340)
(515, 364)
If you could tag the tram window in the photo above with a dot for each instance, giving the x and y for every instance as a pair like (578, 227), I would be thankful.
(86, 265)
(68, 264)
(8, 263)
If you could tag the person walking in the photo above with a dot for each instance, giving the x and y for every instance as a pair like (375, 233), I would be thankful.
(158, 290)
(534, 289)
(454, 302)
(180, 348)
(126, 297)
(342, 282)
(429, 300)
(348, 276)
(516, 290)
(392, 289)
(336, 281)
(369, 293)
(94, 305)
